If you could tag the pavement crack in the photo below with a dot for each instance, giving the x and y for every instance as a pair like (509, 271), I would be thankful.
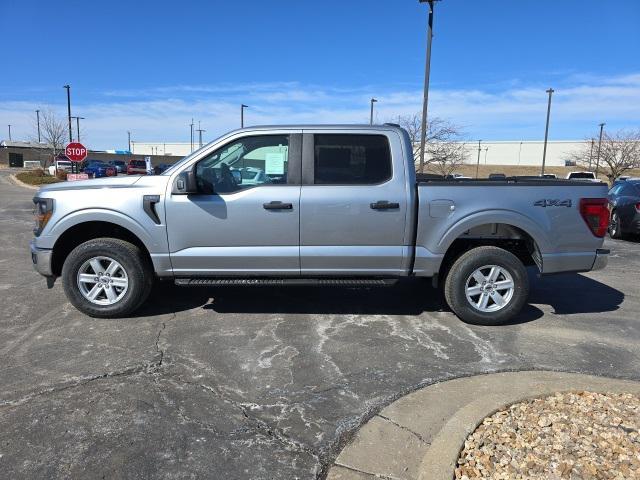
(158, 349)
(369, 474)
(402, 427)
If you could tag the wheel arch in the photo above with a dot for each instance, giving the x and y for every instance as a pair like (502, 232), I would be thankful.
(84, 231)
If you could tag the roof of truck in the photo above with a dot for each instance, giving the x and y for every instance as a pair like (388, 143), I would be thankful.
(337, 126)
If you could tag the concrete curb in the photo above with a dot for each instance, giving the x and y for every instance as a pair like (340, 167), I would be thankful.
(419, 436)
(19, 183)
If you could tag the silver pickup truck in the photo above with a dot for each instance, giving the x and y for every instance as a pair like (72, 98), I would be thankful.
(312, 204)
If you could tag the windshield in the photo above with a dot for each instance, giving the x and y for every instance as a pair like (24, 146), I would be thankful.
(582, 175)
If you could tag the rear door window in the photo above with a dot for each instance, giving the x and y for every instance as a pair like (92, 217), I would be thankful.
(344, 159)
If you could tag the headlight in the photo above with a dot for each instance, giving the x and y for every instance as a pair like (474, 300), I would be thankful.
(42, 210)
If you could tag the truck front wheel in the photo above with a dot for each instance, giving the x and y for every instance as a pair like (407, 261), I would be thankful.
(487, 286)
(107, 277)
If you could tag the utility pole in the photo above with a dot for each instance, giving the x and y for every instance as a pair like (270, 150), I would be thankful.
(599, 146)
(591, 153)
(486, 151)
(9, 132)
(200, 130)
(427, 71)
(191, 125)
(546, 131)
(68, 87)
(78, 127)
(129, 138)
(242, 107)
(478, 164)
(373, 100)
(38, 122)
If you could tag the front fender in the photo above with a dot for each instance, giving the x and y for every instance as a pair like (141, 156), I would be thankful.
(153, 243)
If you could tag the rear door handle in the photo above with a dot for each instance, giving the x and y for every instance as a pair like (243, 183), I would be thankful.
(384, 205)
(277, 206)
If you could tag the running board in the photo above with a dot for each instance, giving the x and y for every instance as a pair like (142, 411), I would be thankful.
(275, 282)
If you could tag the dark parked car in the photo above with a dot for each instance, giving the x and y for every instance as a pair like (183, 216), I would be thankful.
(137, 167)
(158, 169)
(98, 169)
(624, 202)
(119, 165)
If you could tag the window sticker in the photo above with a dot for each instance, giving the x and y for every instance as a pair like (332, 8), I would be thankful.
(274, 164)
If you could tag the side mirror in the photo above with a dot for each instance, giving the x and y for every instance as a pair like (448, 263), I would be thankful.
(185, 183)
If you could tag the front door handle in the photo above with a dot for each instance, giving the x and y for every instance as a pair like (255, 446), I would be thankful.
(384, 205)
(277, 206)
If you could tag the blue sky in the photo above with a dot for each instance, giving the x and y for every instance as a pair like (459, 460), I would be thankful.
(149, 67)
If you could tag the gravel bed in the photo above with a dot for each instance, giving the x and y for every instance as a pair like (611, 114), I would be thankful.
(576, 436)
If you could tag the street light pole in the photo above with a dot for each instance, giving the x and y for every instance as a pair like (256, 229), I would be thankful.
(591, 153)
(9, 132)
(78, 127)
(486, 151)
(242, 107)
(38, 122)
(129, 138)
(599, 146)
(478, 164)
(373, 100)
(68, 87)
(519, 153)
(546, 131)
(427, 71)
(191, 126)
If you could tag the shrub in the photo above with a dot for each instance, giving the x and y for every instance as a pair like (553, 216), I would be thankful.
(62, 175)
(38, 172)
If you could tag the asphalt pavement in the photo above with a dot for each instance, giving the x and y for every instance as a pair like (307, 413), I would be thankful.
(261, 382)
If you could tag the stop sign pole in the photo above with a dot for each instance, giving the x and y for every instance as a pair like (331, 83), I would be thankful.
(76, 152)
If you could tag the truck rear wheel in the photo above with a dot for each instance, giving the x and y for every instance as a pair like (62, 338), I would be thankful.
(107, 278)
(487, 286)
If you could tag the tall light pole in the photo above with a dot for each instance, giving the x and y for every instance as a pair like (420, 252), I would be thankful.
(38, 122)
(546, 131)
(519, 153)
(242, 107)
(191, 126)
(200, 130)
(486, 151)
(478, 164)
(68, 87)
(591, 153)
(129, 138)
(78, 127)
(9, 132)
(427, 71)
(599, 146)
(373, 100)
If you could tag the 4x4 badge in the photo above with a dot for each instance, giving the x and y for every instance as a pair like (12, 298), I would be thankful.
(552, 203)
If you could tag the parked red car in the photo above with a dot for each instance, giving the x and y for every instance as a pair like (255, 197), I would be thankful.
(137, 167)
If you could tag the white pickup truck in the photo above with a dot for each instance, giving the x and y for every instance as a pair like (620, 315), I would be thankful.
(59, 165)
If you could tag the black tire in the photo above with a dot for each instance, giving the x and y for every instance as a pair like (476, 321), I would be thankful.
(460, 273)
(139, 273)
(615, 229)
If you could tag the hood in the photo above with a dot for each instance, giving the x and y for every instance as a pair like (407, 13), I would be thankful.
(107, 182)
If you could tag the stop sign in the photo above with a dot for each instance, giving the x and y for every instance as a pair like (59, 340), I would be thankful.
(76, 152)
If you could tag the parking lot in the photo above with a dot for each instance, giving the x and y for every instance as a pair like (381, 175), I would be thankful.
(263, 382)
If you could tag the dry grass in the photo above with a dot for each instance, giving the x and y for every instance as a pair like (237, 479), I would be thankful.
(36, 177)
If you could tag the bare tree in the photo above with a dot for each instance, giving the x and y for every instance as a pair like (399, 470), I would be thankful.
(53, 132)
(620, 152)
(444, 151)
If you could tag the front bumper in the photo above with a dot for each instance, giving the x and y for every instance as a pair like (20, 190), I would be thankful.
(41, 259)
(602, 258)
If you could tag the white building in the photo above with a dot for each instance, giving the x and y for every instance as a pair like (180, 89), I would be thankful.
(502, 152)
